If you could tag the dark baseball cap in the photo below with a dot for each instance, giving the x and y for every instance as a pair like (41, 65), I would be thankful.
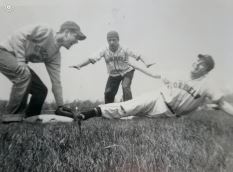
(209, 61)
(72, 26)
(112, 34)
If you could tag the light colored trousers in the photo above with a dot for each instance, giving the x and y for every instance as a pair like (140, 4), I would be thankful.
(9, 67)
(151, 105)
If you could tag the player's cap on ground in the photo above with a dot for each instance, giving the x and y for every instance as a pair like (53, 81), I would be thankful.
(208, 60)
(112, 34)
(72, 26)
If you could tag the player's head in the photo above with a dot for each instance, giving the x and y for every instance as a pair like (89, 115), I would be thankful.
(203, 65)
(113, 40)
(71, 34)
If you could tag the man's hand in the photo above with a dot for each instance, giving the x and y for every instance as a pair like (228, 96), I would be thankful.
(146, 63)
(76, 67)
(165, 81)
(22, 68)
(150, 64)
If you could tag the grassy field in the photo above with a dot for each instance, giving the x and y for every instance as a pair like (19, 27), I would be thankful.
(201, 141)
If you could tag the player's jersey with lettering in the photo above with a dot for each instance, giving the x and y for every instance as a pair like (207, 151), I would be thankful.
(184, 97)
(116, 61)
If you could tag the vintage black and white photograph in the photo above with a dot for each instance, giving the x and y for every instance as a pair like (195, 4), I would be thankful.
(116, 86)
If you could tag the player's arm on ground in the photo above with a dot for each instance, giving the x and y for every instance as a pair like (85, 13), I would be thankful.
(145, 71)
(217, 97)
(225, 106)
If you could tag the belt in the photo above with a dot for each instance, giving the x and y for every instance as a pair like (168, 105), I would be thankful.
(169, 107)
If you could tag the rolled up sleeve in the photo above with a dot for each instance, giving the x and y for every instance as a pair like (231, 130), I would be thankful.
(132, 54)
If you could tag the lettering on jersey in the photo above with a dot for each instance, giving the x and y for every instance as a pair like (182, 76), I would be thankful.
(189, 89)
(118, 57)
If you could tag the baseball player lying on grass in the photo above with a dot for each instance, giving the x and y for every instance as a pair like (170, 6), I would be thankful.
(173, 100)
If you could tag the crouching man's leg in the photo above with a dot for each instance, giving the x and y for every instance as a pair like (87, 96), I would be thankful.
(39, 92)
(18, 96)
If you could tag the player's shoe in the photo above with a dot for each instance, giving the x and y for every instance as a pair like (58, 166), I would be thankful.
(78, 116)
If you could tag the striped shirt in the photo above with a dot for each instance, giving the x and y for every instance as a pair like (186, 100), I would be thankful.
(116, 61)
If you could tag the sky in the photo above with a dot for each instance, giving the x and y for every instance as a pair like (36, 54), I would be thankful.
(169, 32)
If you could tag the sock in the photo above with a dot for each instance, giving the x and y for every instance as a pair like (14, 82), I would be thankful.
(95, 112)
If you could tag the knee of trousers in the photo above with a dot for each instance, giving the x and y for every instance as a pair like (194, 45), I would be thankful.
(109, 93)
(126, 87)
(44, 91)
(23, 79)
(41, 92)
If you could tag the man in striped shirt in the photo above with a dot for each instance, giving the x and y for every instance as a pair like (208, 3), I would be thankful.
(119, 71)
(173, 100)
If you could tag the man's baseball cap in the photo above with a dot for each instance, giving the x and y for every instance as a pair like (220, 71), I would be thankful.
(112, 34)
(209, 61)
(72, 26)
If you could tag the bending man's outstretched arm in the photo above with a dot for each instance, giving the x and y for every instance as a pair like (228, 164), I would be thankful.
(225, 106)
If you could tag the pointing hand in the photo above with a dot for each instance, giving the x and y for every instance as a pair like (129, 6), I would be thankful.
(76, 67)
